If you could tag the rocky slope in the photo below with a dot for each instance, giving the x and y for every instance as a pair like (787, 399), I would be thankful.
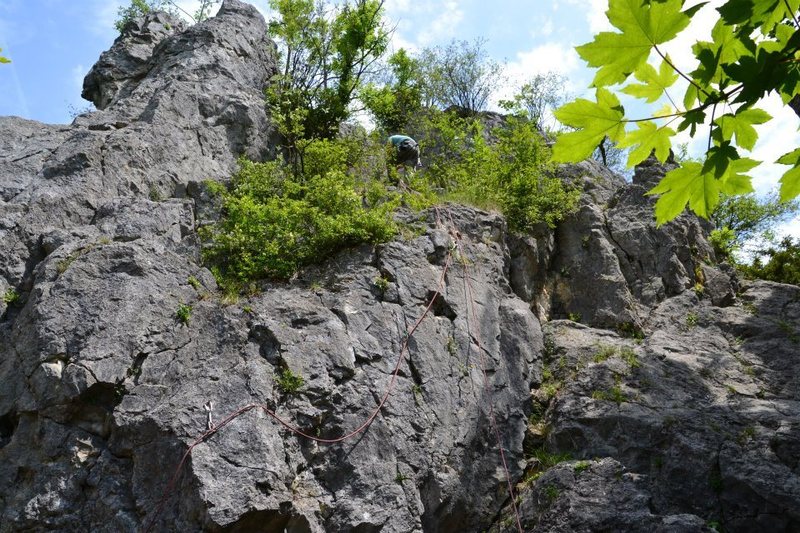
(668, 403)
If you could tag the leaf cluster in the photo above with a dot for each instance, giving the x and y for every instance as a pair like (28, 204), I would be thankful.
(749, 217)
(780, 263)
(460, 74)
(325, 54)
(399, 98)
(540, 95)
(753, 51)
(4, 59)
(275, 223)
(139, 8)
(289, 382)
(505, 168)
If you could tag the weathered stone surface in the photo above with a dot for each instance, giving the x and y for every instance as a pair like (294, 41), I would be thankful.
(678, 392)
(185, 114)
(612, 264)
(597, 495)
(698, 407)
(119, 70)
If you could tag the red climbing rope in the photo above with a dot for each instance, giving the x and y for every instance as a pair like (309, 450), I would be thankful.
(469, 295)
(294, 429)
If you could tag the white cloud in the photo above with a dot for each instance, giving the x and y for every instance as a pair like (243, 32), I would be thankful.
(789, 229)
(443, 27)
(596, 16)
(553, 57)
(595, 11)
(776, 137)
(545, 30)
(424, 24)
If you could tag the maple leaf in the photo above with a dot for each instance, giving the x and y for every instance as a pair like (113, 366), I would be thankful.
(595, 121)
(654, 83)
(643, 25)
(647, 138)
(741, 125)
(790, 181)
(688, 184)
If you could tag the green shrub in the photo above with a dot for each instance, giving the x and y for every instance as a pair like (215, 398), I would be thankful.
(782, 265)
(183, 313)
(723, 240)
(11, 296)
(614, 394)
(274, 223)
(510, 171)
(139, 8)
(629, 356)
(604, 352)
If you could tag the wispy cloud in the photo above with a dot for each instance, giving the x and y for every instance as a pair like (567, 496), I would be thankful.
(544, 30)
(595, 12)
(22, 101)
(552, 57)
(424, 24)
(558, 58)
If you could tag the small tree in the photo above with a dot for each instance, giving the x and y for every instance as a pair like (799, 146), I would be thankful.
(782, 266)
(400, 97)
(326, 53)
(460, 74)
(538, 99)
(747, 218)
(140, 8)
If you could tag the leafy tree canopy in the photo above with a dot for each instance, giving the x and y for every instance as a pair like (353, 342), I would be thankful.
(460, 74)
(782, 263)
(752, 52)
(326, 52)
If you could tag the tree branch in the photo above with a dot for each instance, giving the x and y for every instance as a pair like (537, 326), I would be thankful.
(680, 73)
(794, 103)
(789, 8)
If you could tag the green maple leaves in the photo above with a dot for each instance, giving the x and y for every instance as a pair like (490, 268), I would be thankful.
(643, 26)
(594, 120)
(735, 70)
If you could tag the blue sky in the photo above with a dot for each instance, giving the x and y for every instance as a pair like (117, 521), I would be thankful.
(54, 43)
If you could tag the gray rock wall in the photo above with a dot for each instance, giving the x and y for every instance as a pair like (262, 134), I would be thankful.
(669, 404)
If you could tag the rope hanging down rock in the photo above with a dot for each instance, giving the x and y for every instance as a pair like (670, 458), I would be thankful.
(212, 429)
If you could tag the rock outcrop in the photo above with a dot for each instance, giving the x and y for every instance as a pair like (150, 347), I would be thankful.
(669, 402)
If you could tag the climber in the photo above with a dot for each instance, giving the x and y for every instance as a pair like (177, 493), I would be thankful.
(405, 151)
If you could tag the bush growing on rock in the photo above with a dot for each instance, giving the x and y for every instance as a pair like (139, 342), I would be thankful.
(139, 8)
(506, 167)
(276, 223)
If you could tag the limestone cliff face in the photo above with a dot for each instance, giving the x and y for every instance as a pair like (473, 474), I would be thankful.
(675, 393)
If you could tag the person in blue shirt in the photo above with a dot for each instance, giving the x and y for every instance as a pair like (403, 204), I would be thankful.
(405, 151)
